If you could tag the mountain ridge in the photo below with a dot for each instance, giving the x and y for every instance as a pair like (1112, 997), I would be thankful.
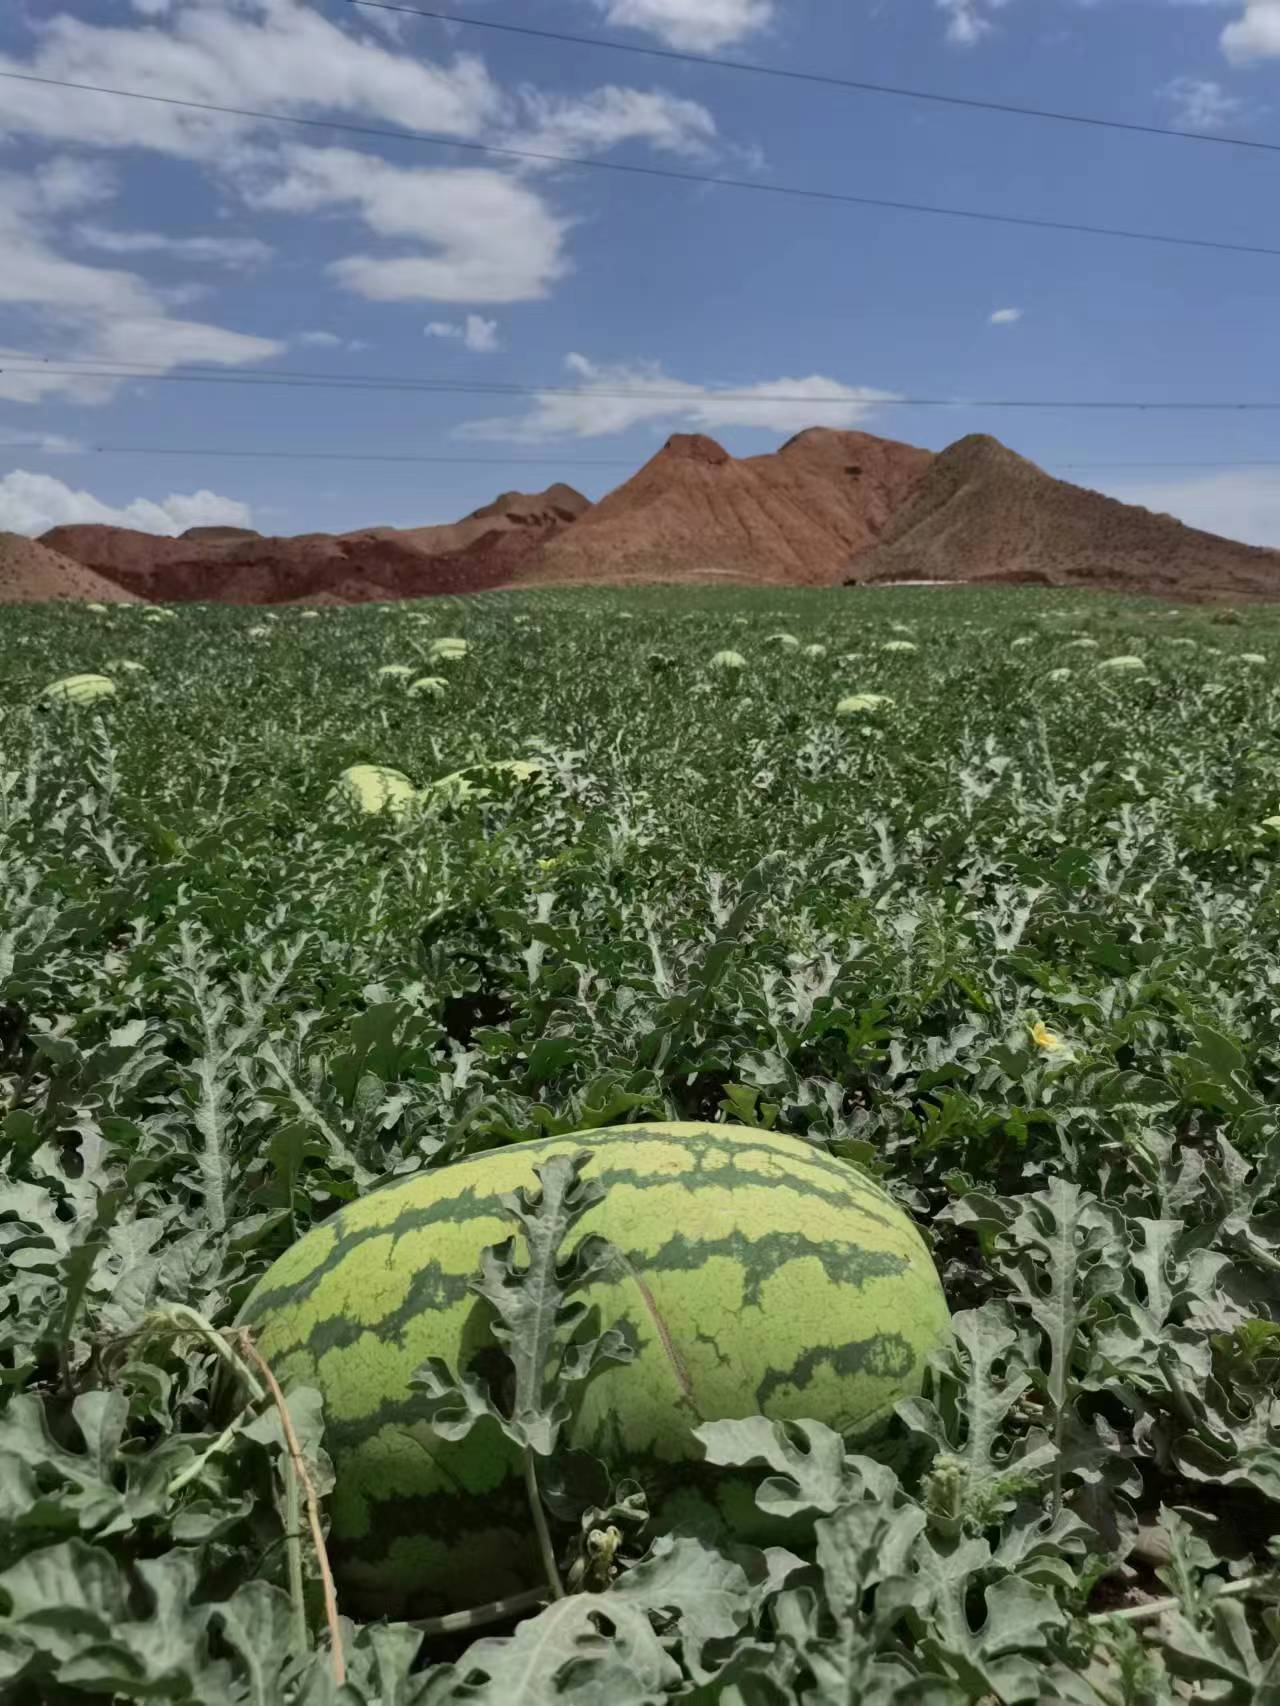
(983, 514)
(828, 507)
(792, 516)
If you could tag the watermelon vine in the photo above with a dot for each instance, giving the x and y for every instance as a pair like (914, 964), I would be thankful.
(947, 922)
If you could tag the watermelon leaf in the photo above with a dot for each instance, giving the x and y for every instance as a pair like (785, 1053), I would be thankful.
(597, 1646)
(1063, 1255)
(534, 1316)
(939, 1586)
(580, 1650)
(844, 1635)
(535, 1320)
(807, 1458)
(978, 1471)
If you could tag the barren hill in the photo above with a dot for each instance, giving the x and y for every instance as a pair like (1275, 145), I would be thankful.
(30, 573)
(531, 513)
(219, 535)
(982, 513)
(237, 566)
(120, 553)
(696, 513)
(827, 507)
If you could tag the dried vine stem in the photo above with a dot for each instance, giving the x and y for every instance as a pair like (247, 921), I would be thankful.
(313, 1505)
(1158, 1607)
(497, 1611)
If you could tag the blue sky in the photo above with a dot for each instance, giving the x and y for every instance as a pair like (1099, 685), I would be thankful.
(143, 235)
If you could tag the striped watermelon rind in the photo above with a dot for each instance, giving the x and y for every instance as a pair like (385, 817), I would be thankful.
(760, 1274)
(79, 690)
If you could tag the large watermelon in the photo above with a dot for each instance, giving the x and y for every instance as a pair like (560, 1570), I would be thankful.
(760, 1275)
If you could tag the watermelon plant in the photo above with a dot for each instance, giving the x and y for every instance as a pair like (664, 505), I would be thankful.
(1001, 962)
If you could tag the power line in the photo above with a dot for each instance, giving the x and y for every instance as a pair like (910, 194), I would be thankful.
(690, 400)
(854, 85)
(668, 173)
(1246, 462)
(568, 459)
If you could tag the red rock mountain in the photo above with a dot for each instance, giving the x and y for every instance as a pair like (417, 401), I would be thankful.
(236, 566)
(30, 573)
(981, 513)
(825, 508)
(533, 515)
(694, 512)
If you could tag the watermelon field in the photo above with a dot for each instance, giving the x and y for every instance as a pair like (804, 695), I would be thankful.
(938, 931)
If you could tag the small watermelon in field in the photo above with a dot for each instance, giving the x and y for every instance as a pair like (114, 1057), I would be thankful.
(79, 689)
(759, 1275)
(855, 704)
(395, 671)
(447, 650)
(377, 788)
(428, 687)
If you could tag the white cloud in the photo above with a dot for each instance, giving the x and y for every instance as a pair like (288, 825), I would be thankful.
(595, 406)
(1005, 317)
(33, 503)
(102, 314)
(969, 20)
(233, 252)
(484, 235)
(280, 55)
(330, 340)
(478, 334)
(65, 183)
(34, 273)
(609, 116)
(1255, 34)
(488, 237)
(481, 335)
(1201, 104)
(47, 443)
(284, 56)
(1240, 503)
(694, 26)
(165, 342)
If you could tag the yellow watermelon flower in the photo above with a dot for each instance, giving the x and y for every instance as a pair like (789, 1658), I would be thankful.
(1044, 1038)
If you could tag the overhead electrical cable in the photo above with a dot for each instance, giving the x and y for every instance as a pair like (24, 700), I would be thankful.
(859, 86)
(668, 173)
(567, 459)
(690, 400)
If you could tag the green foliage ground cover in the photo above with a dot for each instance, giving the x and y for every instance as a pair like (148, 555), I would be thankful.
(1006, 937)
